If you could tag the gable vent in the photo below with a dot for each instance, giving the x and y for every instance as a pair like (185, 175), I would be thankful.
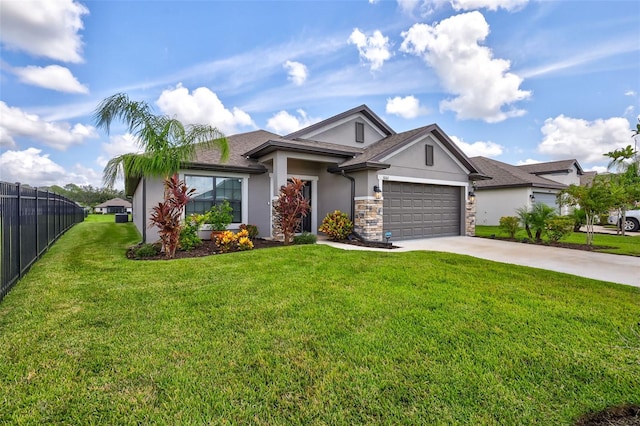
(360, 132)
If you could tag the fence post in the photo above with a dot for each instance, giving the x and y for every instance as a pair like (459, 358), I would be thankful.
(19, 254)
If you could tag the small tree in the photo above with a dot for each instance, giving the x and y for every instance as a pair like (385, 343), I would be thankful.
(289, 209)
(594, 199)
(540, 216)
(167, 215)
(524, 215)
(625, 185)
(510, 225)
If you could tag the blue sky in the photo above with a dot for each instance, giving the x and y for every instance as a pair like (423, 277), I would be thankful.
(516, 80)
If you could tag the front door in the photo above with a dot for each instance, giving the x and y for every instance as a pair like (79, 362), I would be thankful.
(306, 221)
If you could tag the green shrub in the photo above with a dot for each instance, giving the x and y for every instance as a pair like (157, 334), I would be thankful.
(251, 229)
(305, 238)
(189, 237)
(559, 227)
(510, 225)
(147, 250)
(336, 225)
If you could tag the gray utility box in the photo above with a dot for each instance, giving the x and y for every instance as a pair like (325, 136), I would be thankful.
(122, 218)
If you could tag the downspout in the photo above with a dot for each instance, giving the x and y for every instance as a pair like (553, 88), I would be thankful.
(353, 195)
(336, 171)
(144, 210)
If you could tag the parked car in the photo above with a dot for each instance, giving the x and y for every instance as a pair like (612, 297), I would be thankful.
(632, 222)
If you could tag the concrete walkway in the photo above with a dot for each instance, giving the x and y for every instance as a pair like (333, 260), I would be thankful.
(600, 266)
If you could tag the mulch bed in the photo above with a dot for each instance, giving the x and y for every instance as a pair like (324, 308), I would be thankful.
(208, 248)
(560, 244)
(628, 415)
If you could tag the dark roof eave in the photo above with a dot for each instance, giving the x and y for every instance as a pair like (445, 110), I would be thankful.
(272, 146)
(519, 185)
(253, 170)
(479, 176)
(367, 165)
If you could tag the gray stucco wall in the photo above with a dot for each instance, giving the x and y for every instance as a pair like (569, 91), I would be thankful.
(334, 193)
(345, 133)
(259, 208)
(155, 194)
(492, 204)
(411, 163)
(137, 209)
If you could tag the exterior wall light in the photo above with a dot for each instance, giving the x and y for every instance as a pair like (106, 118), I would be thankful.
(377, 192)
(532, 198)
(472, 197)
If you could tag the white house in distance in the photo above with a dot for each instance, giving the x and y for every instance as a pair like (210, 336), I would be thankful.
(513, 187)
(115, 205)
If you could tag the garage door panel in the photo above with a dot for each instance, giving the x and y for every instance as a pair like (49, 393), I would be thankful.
(413, 210)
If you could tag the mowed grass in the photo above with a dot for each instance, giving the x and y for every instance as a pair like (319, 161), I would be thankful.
(616, 244)
(308, 335)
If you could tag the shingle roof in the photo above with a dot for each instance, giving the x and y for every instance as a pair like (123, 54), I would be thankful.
(304, 145)
(363, 109)
(114, 202)
(505, 175)
(551, 166)
(238, 145)
(587, 178)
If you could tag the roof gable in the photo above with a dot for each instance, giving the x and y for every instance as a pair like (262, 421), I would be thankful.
(382, 150)
(331, 129)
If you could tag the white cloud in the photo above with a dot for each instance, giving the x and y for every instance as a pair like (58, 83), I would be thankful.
(528, 161)
(407, 107)
(15, 123)
(479, 148)
(202, 106)
(284, 123)
(427, 7)
(297, 72)
(36, 169)
(509, 5)
(481, 82)
(373, 49)
(118, 145)
(43, 28)
(586, 141)
(597, 169)
(52, 77)
(630, 93)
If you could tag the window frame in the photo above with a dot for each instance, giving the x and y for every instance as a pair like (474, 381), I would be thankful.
(244, 191)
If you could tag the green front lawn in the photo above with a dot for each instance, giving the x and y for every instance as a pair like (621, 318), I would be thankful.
(628, 245)
(308, 335)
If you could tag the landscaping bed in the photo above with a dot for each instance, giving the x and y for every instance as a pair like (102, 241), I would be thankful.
(560, 244)
(207, 248)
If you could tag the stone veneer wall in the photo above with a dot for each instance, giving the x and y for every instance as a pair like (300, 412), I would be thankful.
(470, 219)
(368, 219)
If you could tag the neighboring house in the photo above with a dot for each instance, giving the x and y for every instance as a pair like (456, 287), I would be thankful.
(346, 160)
(115, 205)
(513, 187)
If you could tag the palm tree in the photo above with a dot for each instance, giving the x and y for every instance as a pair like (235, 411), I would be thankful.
(166, 142)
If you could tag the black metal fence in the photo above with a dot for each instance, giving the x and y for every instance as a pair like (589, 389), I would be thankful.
(30, 221)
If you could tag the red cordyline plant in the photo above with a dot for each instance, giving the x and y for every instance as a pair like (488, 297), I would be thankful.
(167, 215)
(290, 208)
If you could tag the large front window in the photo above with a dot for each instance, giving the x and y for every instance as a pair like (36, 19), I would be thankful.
(213, 190)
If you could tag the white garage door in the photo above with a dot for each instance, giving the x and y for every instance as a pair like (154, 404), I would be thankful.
(412, 210)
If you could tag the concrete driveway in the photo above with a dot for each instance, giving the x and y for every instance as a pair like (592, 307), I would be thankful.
(600, 266)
